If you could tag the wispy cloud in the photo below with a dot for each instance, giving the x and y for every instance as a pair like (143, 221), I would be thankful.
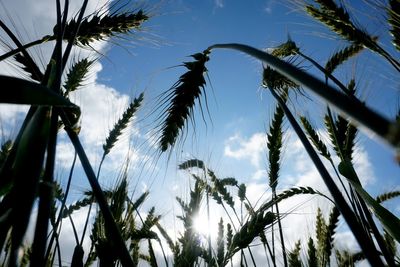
(219, 3)
(248, 149)
(268, 6)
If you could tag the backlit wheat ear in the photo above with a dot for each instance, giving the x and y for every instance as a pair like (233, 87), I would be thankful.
(289, 193)
(330, 232)
(250, 230)
(33, 70)
(330, 7)
(311, 254)
(274, 144)
(338, 21)
(394, 21)
(387, 196)
(315, 139)
(76, 75)
(182, 97)
(294, 255)
(122, 124)
(341, 132)
(272, 79)
(242, 192)
(289, 48)
(341, 56)
(191, 163)
(101, 27)
(276, 81)
(77, 206)
(345, 29)
(320, 233)
(220, 243)
(173, 247)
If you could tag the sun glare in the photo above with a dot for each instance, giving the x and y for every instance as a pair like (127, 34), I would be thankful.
(204, 227)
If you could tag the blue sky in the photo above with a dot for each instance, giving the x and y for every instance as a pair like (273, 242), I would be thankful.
(232, 140)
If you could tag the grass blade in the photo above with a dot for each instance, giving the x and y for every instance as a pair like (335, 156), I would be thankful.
(388, 220)
(19, 91)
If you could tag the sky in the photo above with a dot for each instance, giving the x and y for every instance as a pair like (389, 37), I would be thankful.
(231, 139)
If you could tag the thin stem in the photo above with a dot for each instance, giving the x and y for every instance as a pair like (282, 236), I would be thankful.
(91, 203)
(280, 231)
(24, 52)
(74, 229)
(71, 40)
(365, 243)
(273, 235)
(252, 257)
(327, 74)
(26, 46)
(111, 226)
(59, 218)
(208, 222)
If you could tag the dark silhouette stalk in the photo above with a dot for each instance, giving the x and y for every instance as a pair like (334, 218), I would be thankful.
(111, 226)
(365, 116)
(365, 243)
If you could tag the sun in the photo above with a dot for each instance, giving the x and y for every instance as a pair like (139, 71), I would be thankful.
(205, 226)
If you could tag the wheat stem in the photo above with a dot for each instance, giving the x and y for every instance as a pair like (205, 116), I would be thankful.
(124, 255)
(359, 112)
(364, 242)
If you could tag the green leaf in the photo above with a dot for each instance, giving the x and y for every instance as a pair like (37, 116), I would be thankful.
(19, 91)
(390, 222)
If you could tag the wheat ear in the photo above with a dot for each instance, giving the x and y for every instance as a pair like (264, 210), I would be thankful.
(182, 97)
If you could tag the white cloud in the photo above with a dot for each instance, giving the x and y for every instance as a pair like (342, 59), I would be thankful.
(296, 170)
(248, 149)
(363, 166)
(101, 105)
(260, 174)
